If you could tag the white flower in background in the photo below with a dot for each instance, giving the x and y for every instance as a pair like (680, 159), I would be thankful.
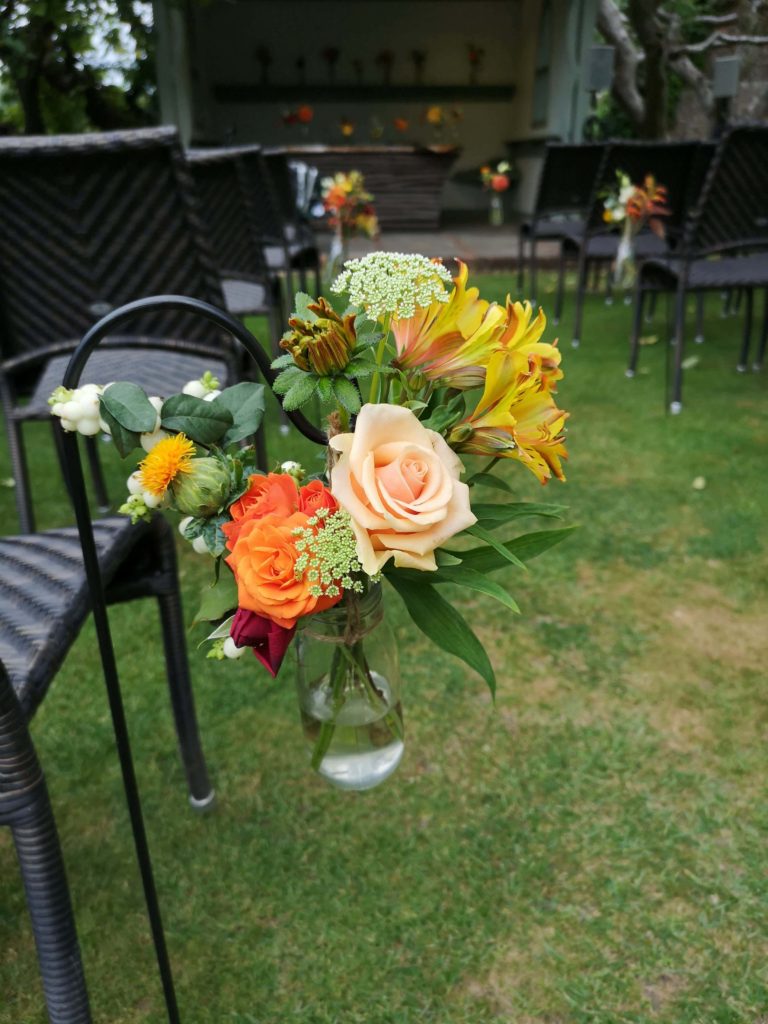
(202, 387)
(294, 469)
(393, 284)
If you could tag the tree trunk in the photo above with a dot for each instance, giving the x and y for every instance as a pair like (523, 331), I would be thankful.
(651, 36)
(28, 89)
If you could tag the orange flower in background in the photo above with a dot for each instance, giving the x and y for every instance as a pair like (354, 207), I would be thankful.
(263, 559)
(401, 124)
(435, 116)
(346, 127)
(305, 114)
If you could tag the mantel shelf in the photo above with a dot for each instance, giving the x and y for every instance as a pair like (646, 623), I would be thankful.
(246, 93)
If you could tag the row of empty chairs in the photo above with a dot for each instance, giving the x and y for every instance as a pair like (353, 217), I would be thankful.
(716, 234)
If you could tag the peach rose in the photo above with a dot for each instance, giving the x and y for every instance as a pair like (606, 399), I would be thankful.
(400, 484)
(263, 559)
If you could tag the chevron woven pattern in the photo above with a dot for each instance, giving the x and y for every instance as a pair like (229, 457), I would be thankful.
(90, 222)
(44, 598)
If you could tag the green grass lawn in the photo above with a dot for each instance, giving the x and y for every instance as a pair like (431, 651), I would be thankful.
(591, 849)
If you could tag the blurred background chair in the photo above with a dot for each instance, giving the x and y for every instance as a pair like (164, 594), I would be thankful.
(88, 222)
(672, 165)
(565, 189)
(724, 247)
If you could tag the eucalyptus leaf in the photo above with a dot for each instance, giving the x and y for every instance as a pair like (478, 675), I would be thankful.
(203, 422)
(218, 600)
(442, 624)
(125, 440)
(246, 403)
(128, 404)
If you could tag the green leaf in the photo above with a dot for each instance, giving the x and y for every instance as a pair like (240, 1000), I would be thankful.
(442, 624)
(525, 547)
(443, 557)
(300, 392)
(325, 390)
(246, 403)
(490, 540)
(221, 632)
(301, 306)
(444, 416)
(285, 380)
(125, 440)
(469, 578)
(218, 600)
(128, 404)
(213, 535)
(490, 481)
(204, 422)
(346, 393)
(492, 516)
(282, 362)
(359, 368)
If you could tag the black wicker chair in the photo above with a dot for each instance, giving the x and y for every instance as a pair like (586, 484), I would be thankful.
(672, 163)
(724, 247)
(88, 222)
(290, 246)
(565, 188)
(231, 224)
(44, 601)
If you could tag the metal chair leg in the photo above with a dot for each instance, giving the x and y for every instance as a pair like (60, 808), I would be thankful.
(520, 261)
(201, 794)
(650, 315)
(25, 806)
(637, 320)
(20, 472)
(758, 363)
(676, 403)
(97, 474)
(581, 286)
(533, 270)
(560, 295)
(698, 336)
(746, 339)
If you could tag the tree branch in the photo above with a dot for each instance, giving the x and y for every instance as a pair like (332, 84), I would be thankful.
(612, 26)
(718, 39)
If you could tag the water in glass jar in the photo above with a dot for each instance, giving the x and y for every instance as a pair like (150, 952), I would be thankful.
(366, 745)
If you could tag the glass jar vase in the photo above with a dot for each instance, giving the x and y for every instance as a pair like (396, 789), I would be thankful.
(348, 685)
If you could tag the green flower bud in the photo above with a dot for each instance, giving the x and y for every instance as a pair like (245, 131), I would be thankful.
(323, 345)
(203, 490)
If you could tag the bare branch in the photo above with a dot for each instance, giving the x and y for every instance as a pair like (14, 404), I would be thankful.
(716, 19)
(611, 24)
(718, 39)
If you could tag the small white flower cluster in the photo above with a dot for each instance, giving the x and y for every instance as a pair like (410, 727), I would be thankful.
(393, 283)
(78, 409)
(615, 204)
(294, 469)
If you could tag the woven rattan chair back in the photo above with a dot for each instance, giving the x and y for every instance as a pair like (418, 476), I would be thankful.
(732, 213)
(671, 163)
(227, 211)
(263, 195)
(88, 222)
(568, 177)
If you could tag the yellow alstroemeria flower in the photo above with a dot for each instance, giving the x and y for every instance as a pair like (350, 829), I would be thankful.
(523, 334)
(516, 418)
(451, 341)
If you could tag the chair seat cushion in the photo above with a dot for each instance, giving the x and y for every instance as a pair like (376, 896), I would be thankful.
(44, 599)
(726, 272)
(605, 246)
(554, 227)
(244, 297)
(159, 372)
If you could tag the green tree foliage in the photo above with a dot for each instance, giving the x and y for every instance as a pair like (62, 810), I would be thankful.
(73, 65)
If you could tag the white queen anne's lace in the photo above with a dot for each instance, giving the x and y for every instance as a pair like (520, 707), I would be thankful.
(393, 283)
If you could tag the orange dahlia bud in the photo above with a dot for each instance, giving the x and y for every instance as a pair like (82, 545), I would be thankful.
(323, 345)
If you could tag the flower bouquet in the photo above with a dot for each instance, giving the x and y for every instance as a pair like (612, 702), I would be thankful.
(415, 371)
(350, 211)
(496, 180)
(634, 207)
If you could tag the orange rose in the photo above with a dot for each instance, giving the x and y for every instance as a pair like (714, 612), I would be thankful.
(274, 494)
(263, 560)
(315, 495)
(305, 114)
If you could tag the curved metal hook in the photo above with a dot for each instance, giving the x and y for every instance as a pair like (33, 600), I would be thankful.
(185, 304)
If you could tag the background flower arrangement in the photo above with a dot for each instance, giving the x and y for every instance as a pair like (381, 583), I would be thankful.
(634, 207)
(416, 370)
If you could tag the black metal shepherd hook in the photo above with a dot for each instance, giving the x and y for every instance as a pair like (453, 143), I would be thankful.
(107, 325)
